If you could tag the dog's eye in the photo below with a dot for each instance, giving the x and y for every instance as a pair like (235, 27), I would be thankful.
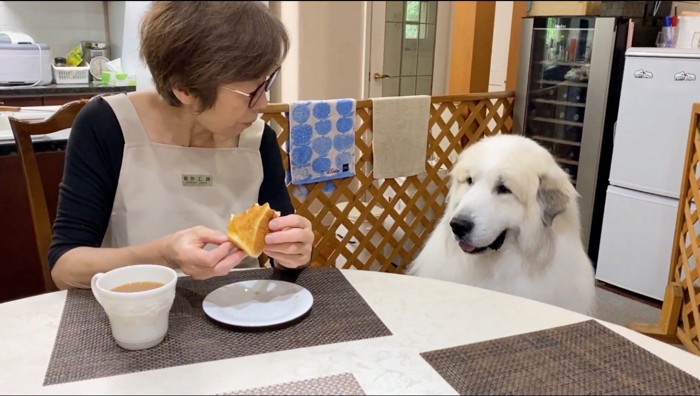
(502, 189)
(469, 181)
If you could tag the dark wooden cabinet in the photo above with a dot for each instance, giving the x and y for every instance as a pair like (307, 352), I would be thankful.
(22, 101)
(19, 261)
(55, 94)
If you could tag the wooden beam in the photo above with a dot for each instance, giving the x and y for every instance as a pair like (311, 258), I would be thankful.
(519, 11)
(470, 53)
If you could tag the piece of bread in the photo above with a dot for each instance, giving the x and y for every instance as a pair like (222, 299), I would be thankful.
(247, 229)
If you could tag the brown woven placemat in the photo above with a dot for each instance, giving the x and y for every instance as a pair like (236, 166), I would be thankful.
(85, 349)
(583, 358)
(341, 384)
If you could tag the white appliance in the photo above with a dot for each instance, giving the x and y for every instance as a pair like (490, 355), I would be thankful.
(22, 61)
(659, 88)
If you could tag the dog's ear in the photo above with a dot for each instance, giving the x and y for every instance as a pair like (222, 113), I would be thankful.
(554, 194)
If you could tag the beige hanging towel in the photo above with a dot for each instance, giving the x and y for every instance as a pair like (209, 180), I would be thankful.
(400, 135)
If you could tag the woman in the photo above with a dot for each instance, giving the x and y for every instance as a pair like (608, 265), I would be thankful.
(152, 177)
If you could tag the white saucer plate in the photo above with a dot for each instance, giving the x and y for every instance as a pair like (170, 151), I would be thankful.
(258, 303)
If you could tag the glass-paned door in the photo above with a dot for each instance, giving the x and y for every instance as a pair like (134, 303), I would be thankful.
(558, 84)
(409, 48)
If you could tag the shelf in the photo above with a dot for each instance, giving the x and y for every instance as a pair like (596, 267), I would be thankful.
(566, 83)
(555, 140)
(557, 63)
(555, 121)
(559, 102)
(566, 161)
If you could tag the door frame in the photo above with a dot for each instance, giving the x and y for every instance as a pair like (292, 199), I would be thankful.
(374, 44)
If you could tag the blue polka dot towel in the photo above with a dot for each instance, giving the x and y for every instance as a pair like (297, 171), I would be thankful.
(321, 140)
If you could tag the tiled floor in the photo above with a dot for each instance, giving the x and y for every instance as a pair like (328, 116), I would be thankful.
(615, 306)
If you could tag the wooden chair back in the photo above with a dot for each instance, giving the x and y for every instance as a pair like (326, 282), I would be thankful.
(23, 130)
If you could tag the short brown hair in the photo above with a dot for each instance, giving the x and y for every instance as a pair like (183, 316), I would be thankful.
(199, 45)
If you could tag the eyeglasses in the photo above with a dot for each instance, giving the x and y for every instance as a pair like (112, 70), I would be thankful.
(259, 91)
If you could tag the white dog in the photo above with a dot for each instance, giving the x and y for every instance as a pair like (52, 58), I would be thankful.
(511, 224)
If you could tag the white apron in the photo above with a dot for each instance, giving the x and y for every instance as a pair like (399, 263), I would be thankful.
(165, 188)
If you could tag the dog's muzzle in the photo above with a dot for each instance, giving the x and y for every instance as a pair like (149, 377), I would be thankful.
(462, 227)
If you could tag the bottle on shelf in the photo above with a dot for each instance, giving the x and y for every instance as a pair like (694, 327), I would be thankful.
(571, 50)
(563, 93)
(561, 113)
(567, 152)
(575, 113)
(578, 94)
(572, 133)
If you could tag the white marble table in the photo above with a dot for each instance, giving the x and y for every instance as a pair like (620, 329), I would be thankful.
(422, 314)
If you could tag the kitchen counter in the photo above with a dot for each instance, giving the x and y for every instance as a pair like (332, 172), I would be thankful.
(52, 142)
(40, 101)
(61, 89)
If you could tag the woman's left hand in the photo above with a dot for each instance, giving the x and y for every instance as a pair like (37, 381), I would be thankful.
(290, 241)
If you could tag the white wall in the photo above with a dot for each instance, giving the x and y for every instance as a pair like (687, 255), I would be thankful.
(443, 43)
(326, 60)
(115, 18)
(60, 24)
(331, 49)
(287, 88)
(124, 19)
(500, 46)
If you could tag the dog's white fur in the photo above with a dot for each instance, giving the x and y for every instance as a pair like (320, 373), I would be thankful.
(542, 257)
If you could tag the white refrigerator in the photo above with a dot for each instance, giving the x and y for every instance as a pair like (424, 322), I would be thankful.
(659, 87)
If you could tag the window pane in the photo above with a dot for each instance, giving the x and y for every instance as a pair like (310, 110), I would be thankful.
(412, 11)
(390, 87)
(394, 11)
(408, 86)
(426, 49)
(392, 48)
(411, 31)
(424, 85)
(432, 11)
(409, 57)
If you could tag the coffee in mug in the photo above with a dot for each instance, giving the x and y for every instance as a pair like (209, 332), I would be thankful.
(137, 300)
(133, 287)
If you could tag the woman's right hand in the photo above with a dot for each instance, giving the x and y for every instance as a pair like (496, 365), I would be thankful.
(185, 250)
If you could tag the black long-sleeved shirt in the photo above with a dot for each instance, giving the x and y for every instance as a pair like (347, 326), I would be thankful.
(93, 161)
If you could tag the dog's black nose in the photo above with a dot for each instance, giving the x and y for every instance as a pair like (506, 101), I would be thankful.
(461, 227)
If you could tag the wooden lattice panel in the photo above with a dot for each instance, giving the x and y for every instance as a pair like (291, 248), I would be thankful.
(679, 320)
(684, 270)
(381, 224)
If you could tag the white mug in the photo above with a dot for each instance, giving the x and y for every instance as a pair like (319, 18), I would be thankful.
(139, 320)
